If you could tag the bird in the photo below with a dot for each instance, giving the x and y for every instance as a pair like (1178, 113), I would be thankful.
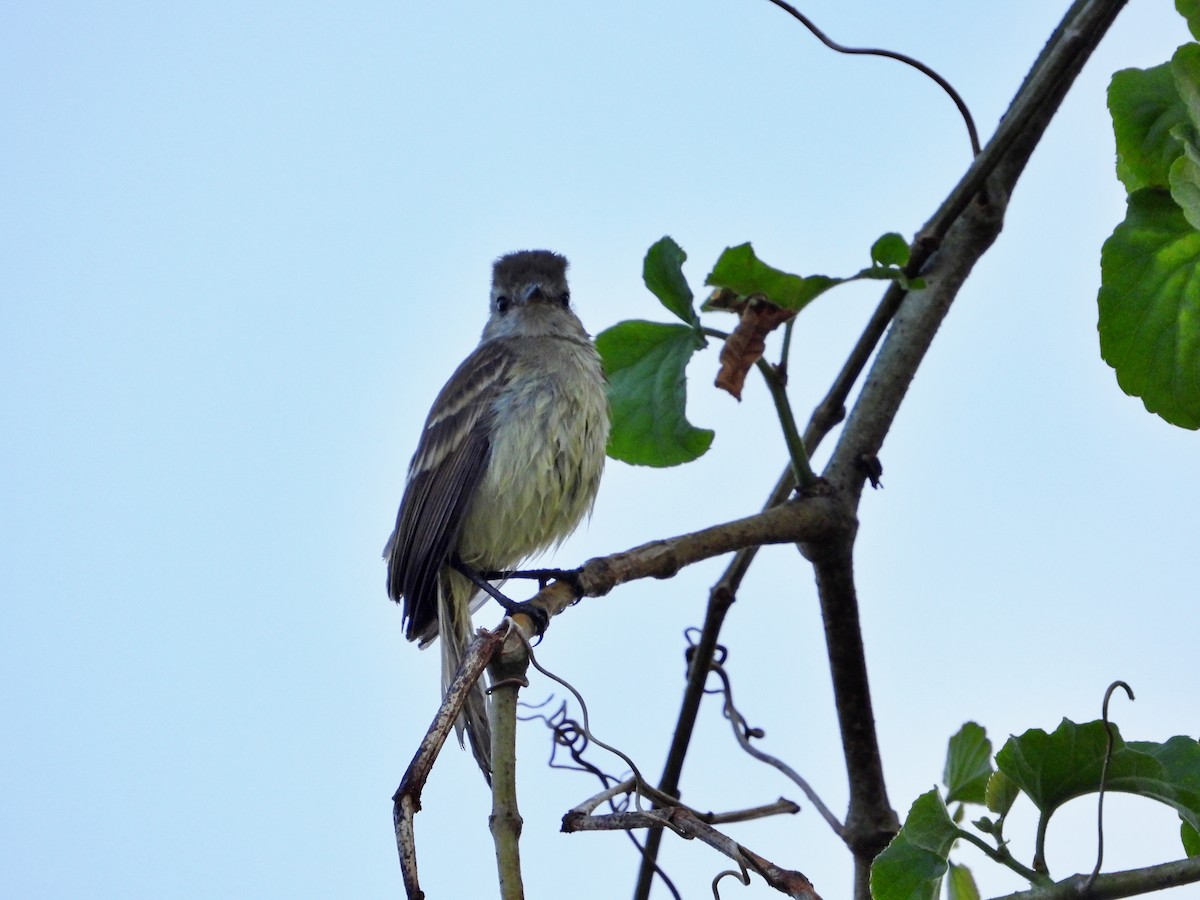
(507, 465)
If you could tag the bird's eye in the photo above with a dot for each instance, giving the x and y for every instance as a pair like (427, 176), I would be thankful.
(566, 299)
(502, 303)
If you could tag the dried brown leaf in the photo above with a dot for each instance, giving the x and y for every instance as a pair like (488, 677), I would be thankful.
(745, 346)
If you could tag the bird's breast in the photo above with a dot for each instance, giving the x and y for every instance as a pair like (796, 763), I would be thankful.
(549, 432)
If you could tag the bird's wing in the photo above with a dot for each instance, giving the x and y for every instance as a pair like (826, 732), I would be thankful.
(451, 458)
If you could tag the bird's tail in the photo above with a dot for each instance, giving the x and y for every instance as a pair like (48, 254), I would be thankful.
(454, 627)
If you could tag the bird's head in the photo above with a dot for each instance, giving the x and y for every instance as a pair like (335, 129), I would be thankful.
(530, 297)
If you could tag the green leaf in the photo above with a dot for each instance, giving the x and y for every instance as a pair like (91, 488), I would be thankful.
(647, 393)
(961, 884)
(912, 866)
(890, 250)
(1190, 10)
(1185, 70)
(1185, 176)
(662, 271)
(1001, 793)
(968, 765)
(879, 273)
(1149, 303)
(739, 270)
(929, 826)
(906, 872)
(1145, 106)
(1191, 839)
(1055, 768)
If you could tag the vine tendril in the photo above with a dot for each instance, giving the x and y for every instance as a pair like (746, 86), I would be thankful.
(941, 82)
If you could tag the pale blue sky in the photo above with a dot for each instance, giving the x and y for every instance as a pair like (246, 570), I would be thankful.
(243, 244)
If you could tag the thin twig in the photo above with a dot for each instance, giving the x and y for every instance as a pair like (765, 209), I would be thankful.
(801, 468)
(781, 807)
(588, 806)
(687, 824)
(742, 733)
(1002, 855)
(569, 734)
(776, 381)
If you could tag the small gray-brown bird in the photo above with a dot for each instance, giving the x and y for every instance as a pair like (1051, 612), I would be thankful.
(507, 465)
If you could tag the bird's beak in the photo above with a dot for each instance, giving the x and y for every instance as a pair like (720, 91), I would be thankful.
(532, 292)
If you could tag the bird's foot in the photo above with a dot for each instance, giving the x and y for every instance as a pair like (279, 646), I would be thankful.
(538, 616)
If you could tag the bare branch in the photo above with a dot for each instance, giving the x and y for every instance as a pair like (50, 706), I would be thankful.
(870, 821)
(631, 785)
(816, 518)
(508, 677)
(687, 824)
(406, 802)
(588, 806)
(404, 811)
(970, 219)
(781, 807)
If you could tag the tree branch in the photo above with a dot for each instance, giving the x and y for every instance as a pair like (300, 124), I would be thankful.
(970, 220)
(1114, 885)
(1007, 152)
(687, 824)
(818, 518)
(406, 802)
(870, 820)
(962, 229)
